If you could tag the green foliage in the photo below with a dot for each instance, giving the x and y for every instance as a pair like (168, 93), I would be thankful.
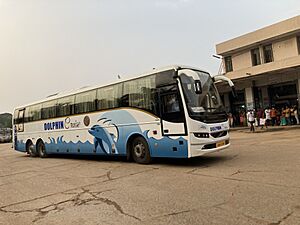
(5, 120)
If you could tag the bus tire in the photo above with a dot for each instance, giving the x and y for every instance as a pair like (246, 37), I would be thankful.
(140, 151)
(41, 149)
(31, 150)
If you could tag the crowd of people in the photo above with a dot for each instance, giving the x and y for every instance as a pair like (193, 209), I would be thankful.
(269, 116)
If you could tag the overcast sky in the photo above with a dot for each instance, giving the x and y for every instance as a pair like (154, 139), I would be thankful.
(48, 46)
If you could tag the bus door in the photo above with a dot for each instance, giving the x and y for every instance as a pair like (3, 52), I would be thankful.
(172, 113)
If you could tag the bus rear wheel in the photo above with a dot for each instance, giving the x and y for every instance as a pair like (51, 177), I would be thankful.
(31, 150)
(41, 149)
(140, 151)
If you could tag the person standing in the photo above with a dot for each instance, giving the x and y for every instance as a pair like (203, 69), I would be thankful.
(296, 114)
(259, 116)
(230, 118)
(273, 116)
(251, 119)
(283, 120)
(287, 115)
(268, 117)
(242, 118)
(293, 119)
(278, 117)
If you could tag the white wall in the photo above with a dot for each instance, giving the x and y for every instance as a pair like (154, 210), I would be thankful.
(285, 49)
(241, 61)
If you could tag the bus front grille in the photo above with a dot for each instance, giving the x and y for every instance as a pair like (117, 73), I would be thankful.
(219, 134)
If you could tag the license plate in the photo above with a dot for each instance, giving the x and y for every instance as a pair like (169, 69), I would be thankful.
(221, 143)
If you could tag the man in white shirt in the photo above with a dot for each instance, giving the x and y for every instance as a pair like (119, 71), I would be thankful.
(268, 116)
(251, 119)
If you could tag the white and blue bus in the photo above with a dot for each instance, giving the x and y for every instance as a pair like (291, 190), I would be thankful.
(174, 112)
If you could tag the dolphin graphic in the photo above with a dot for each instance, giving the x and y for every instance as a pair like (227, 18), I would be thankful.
(101, 135)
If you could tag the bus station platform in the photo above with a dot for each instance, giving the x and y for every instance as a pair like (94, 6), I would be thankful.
(264, 129)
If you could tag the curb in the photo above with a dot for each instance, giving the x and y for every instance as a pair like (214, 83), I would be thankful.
(269, 129)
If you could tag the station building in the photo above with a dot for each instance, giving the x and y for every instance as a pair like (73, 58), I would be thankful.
(265, 67)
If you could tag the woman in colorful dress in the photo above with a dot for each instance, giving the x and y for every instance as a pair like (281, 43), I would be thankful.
(283, 120)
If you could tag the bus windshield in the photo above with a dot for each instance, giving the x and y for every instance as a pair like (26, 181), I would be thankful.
(205, 106)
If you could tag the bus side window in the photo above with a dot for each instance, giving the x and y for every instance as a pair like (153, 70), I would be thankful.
(49, 109)
(65, 106)
(109, 97)
(140, 93)
(85, 102)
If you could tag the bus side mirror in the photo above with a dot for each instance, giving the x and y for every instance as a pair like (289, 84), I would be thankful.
(223, 78)
(198, 87)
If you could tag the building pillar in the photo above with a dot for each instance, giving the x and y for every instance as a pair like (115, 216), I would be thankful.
(249, 98)
(265, 97)
(227, 102)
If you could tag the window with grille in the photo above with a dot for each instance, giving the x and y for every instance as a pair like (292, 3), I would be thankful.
(268, 53)
(228, 64)
(255, 55)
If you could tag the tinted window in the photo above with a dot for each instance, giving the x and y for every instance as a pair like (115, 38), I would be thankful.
(65, 106)
(109, 97)
(140, 93)
(20, 121)
(49, 109)
(21, 116)
(85, 102)
(165, 78)
(171, 104)
(34, 112)
(16, 114)
(26, 115)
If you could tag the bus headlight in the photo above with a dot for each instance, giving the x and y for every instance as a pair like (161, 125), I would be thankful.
(201, 135)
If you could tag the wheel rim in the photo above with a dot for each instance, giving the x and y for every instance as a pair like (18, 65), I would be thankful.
(31, 149)
(42, 149)
(139, 150)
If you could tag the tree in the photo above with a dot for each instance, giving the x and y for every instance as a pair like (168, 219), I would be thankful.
(6, 120)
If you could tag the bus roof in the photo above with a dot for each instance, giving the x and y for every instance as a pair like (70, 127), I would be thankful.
(88, 88)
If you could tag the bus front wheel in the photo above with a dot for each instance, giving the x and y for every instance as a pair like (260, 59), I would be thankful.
(41, 149)
(140, 151)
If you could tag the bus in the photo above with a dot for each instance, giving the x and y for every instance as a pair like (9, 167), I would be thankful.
(5, 135)
(173, 112)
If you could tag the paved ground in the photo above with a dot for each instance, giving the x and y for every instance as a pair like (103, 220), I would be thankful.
(256, 181)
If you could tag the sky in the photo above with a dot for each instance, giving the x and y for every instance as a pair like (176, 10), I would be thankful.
(50, 46)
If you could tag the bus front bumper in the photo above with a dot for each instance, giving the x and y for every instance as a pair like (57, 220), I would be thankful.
(199, 150)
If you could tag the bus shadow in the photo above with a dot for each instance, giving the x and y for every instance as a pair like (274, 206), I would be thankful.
(201, 161)
(99, 158)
